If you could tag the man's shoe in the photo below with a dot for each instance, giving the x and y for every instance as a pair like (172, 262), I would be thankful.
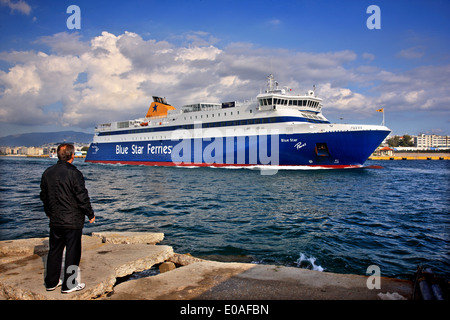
(53, 288)
(79, 287)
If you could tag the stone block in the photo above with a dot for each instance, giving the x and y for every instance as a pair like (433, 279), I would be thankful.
(129, 237)
(166, 266)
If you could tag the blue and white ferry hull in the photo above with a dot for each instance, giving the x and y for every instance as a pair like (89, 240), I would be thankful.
(328, 149)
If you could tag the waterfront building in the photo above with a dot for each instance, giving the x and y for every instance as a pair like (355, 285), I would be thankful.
(431, 141)
(385, 151)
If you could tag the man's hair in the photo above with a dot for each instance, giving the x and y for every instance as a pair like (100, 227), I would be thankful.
(65, 151)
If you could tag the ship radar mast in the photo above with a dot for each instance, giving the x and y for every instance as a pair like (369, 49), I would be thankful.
(272, 85)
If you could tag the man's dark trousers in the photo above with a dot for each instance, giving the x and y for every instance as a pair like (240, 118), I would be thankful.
(61, 238)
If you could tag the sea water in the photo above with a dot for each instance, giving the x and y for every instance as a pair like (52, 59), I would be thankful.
(330, 220)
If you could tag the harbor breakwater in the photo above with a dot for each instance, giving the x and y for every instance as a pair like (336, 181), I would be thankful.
(109, 257)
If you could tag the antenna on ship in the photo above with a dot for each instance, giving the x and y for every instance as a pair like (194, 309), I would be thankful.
(271, 83)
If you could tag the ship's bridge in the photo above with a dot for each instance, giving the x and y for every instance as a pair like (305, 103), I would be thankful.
(276, 98)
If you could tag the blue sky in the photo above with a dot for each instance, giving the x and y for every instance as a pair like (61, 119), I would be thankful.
(53, 78)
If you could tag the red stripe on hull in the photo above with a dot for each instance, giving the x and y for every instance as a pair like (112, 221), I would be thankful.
(218, 165)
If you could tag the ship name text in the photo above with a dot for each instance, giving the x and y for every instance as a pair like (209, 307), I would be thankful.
(135, 149)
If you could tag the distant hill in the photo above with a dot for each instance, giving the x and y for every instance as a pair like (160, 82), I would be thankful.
(37, 139)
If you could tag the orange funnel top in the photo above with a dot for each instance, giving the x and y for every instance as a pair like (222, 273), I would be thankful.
(158, 108)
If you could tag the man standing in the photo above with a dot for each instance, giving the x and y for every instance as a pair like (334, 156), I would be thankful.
(66, 202)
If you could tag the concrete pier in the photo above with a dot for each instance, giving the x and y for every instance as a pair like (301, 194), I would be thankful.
(108, 256)
(22, 265)
(413, 156)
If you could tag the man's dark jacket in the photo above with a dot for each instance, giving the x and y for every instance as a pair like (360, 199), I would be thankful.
(66, 200)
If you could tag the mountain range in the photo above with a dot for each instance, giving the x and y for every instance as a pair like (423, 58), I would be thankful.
(37, 139)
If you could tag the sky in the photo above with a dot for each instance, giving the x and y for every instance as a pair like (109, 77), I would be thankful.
(54, 77)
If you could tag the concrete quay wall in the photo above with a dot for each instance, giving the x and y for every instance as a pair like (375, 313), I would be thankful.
(109, 256)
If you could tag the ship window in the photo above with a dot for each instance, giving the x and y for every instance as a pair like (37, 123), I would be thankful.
(124, 124)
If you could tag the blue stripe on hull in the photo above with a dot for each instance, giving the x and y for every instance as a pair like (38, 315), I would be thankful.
(341, 148)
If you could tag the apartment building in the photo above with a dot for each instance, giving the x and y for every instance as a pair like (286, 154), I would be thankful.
(431, 141)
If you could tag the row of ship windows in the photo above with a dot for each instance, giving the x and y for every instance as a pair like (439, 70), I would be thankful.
(212, 115)
(285, 102)
(214, 125)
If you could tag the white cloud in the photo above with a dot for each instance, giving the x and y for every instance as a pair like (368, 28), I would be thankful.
(345, 99)
(64, 43)
(198, 53)
(19, 6)
(275, 22)
(412, 53)
(368, 56)
(121, 73)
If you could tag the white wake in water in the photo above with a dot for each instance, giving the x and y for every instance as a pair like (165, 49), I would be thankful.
(308, 263)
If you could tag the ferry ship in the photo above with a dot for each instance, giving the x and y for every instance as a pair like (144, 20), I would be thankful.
(276, 129)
